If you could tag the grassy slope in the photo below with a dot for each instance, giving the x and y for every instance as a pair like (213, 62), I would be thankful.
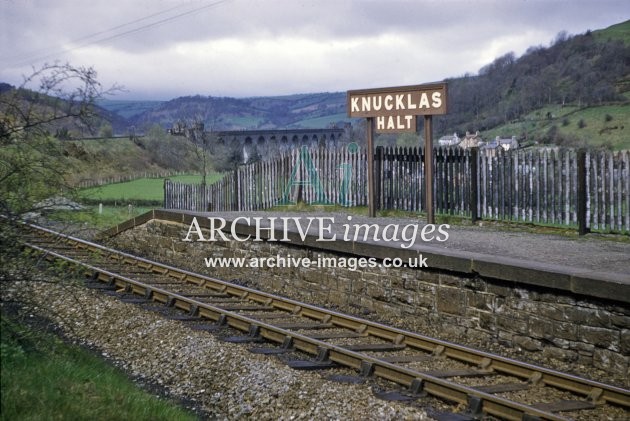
(620, 31)
(45, 379)
(322, 122)
(128, 108)
(596, 131)
(102, 158)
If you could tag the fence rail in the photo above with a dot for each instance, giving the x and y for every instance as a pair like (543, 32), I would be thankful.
(588, 189)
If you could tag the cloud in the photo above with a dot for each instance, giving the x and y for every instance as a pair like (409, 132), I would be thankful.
(250, 47)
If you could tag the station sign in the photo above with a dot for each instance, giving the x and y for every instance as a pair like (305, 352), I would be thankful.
(395, 109)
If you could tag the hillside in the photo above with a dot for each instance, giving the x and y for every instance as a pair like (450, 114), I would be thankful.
(62, 115)
(101, 158)
(222, 113)
(606, 126)
(508, 97)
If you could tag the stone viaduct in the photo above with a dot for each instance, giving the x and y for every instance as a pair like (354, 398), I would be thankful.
(269, 142)
(266, 143)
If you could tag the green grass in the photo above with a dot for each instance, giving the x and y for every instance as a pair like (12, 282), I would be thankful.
(142, 190)
(44, 378)
(606, 125)
(128, 108)
(90, 217)
(322, 122)
(249, 122)
(620, 31)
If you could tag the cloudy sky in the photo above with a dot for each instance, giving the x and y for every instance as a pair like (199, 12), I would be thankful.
(160, 49)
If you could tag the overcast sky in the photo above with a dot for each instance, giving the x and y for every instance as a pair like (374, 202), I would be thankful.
(160, 49)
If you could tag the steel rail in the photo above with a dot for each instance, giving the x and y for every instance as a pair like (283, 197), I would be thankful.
(594, 391)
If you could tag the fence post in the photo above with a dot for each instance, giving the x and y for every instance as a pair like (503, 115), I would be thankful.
(165, 195)
(378, 177)
(237, 191)
(474, 188)
(582, 194)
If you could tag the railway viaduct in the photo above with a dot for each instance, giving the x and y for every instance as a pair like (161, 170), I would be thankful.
(268, 142)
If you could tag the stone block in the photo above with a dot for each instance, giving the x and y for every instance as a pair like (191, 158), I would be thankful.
(600, 337)
(432, 277)
(378, 292)
(506, 338)
(624, 342)
(487, 321)
(427, 288)
(410, 284)
(551, 311)
(450, 300)
(588, 316)
(620, 320)
(527, 343)
(402, 296)
(479, 300)
(425, 300)
(450, 280)
(540, 328)
(566, 331)
(561, 343)
(512, 324)
(582, 348)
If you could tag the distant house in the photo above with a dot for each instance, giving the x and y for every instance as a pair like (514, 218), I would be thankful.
(449, 140)
(493, 144)
(508, 143)
(471, 141)
(497, 144)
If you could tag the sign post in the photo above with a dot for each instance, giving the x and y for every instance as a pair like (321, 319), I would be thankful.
(394, 110)
(370, 168)
(428, 168)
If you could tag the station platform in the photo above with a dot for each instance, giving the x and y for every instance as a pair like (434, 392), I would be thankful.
(595, 265)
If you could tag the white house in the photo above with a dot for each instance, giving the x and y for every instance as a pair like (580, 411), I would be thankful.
(471, 140)
(507, 144)
(449, 140)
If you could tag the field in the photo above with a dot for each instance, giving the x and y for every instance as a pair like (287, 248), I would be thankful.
(323, 122)
(121, 201)
(141, 191)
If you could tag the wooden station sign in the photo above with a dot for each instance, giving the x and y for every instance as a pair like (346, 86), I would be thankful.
(395, 109)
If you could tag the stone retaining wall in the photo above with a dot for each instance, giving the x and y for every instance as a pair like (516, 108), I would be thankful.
(551, 324)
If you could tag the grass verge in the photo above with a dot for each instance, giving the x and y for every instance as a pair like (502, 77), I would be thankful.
(91, 218)
(140, 190)
(44, 378)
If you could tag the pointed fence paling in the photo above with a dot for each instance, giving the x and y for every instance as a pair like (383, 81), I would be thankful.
(540, 186)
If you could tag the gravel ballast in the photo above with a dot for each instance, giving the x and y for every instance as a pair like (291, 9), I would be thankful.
(222, 380)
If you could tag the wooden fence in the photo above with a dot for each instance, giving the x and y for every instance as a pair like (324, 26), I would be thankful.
(587, 189)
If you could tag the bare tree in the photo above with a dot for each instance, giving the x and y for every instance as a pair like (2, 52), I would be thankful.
(33, 168)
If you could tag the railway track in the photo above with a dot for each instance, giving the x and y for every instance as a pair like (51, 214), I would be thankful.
(484, 383)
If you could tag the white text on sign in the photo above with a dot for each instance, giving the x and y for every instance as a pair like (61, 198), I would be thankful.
(396, 123)
(399, 101)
